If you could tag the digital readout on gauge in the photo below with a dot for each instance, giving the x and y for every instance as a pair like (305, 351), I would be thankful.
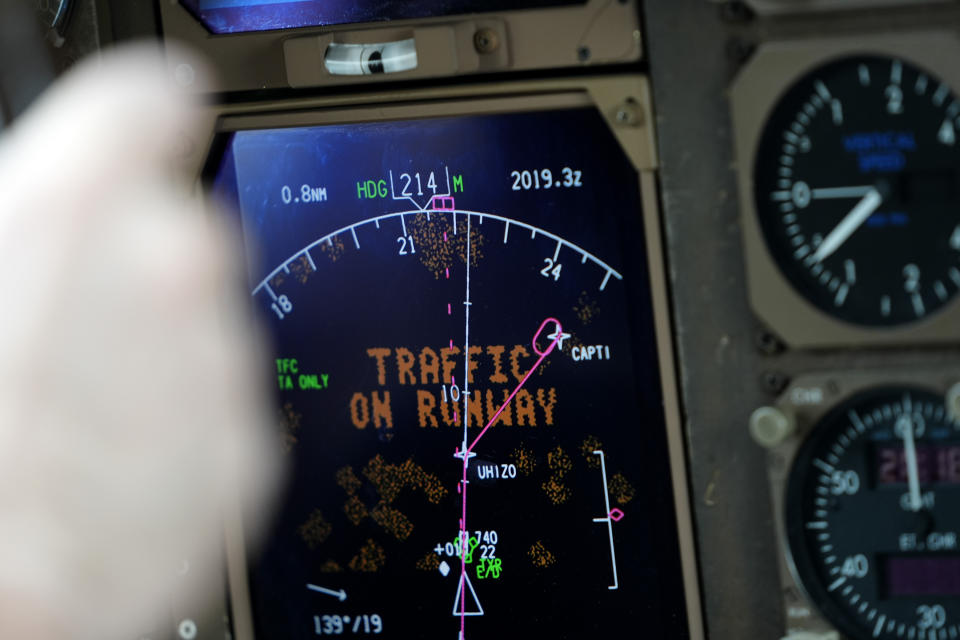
(936, 464)
(467, 379)
(905, 576)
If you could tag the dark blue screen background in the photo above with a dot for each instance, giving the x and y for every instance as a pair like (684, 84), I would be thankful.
(373, 297)
(235, 16)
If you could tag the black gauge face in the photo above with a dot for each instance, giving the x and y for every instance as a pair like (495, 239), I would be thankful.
(412, 274)
(856, 187)
(872, 517)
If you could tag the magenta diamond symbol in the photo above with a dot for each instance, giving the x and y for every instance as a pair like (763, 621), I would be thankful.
(616, 515)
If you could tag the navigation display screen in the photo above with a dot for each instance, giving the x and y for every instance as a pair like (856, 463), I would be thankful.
(467, 380)
(235, 16)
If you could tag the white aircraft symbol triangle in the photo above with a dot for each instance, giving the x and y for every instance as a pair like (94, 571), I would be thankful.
(469, 609)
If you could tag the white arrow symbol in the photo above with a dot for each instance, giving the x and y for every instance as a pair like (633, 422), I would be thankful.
(559, 336)
(340, 595)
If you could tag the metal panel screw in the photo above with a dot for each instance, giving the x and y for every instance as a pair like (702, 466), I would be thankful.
(486, 40)
(768, 343)
(629, 113)
(774, 382)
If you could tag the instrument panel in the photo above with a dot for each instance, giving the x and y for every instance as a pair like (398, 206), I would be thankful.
(833, 215)
(854, 166)
(667, 290)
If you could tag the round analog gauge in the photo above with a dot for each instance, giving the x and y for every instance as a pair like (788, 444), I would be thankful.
(855, 185)
(871, 519)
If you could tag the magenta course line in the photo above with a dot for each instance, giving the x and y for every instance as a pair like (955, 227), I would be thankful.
(453, 383)
(463, 550)
(466, 463)
(543, 355)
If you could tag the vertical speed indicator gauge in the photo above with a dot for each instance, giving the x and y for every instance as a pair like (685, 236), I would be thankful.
(855, 184)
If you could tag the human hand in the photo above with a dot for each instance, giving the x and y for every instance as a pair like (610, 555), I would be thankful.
(129, 413)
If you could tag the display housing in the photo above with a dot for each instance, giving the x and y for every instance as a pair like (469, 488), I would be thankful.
(810, 311)
(865, 551)
(385, 244)
(258, 45)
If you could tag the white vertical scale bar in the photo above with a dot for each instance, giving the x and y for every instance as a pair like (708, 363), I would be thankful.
(606, 502)
(465, 537)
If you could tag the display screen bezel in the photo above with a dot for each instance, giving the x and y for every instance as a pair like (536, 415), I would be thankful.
(527, 96)
(591, 33)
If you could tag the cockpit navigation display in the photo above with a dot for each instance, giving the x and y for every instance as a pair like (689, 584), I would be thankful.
(468, 384)
(235, 16)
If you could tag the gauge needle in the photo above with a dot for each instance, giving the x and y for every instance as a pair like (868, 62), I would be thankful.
(857, 216)
(829, 193)
(910, 449)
